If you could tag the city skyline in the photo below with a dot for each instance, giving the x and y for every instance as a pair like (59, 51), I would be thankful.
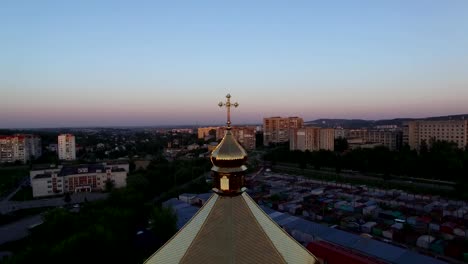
(147, 64)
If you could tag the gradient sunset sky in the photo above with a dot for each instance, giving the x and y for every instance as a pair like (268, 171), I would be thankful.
(105, 63)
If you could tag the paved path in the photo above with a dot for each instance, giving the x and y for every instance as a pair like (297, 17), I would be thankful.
(18, 229)
(10, 206)
(20, 185)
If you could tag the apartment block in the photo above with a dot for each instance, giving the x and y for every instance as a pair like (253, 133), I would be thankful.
(34, 145)
(20, 147)
(415, 132)
(392, 139)
(327, 139)
(66, 147)
(244, 135)
(276, 129)
(312, 139)
(205, 131)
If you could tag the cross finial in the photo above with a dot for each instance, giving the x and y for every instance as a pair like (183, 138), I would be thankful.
(228, 106)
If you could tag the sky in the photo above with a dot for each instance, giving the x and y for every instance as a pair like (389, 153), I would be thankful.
(139, 63)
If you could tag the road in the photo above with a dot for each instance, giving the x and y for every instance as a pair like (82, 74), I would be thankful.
(10, 206)
(25, 181)
(18, 229)
(367, 178)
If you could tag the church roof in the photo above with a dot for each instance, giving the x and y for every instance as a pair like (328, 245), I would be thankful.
(231, 229)
(229, 154)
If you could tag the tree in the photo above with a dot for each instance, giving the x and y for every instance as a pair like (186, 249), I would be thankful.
(212, 133)
(302, 163)
(109, 185)
(423, 147)
(163, 222)
(341, 144)
(67, 198)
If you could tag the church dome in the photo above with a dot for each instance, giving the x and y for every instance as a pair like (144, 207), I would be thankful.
(229, 153)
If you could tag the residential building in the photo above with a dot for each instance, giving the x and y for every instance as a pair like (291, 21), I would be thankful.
(312, 139)
(35, 146)
(244, 135)
(182, 130)
(415, 132)
(204, 132)
(48, 181)
(193, 146)
(341, 132)
(327, 139)
(66, 147)
(387, 127)
(390, 138)
(20, 147)
(276, 129)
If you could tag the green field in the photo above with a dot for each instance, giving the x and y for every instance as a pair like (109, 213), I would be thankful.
(10, 177)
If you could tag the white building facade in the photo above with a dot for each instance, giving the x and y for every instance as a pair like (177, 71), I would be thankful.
(66, 147)
(415, 132)
(78, 178)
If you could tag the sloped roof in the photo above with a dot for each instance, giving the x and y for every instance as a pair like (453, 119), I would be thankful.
(229, 149)
(231, 229)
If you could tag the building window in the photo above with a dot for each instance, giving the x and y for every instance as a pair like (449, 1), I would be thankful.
(224, 183)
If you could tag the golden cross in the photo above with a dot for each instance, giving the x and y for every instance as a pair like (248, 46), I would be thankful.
(228, 106)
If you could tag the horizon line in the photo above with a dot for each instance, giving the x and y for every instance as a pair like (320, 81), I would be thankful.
(207, 125)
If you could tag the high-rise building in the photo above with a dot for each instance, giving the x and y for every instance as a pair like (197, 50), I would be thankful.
(276, 129)
(66, 147)
(20, 147)
(312, 139)
(244, 135)
(231, 227)
(205, 131)
(35, 146)
(415, 132)
(327, 139)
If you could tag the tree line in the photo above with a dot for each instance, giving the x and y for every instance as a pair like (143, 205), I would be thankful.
(441, 160)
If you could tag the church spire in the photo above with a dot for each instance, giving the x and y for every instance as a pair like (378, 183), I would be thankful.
(228, 159)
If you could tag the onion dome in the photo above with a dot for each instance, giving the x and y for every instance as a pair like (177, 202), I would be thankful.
(229, 155)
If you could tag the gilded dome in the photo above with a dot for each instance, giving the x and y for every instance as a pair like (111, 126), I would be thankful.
(229, 153)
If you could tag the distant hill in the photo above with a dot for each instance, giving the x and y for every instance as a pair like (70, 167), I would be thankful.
(361, 123)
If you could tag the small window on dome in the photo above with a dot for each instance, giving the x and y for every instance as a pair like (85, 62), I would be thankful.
(224, 183)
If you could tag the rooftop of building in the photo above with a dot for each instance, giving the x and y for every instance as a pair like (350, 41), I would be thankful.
(117, 162)
(356, 243)
(43, 167)
(82, 168)
(230, 229)
(43, 176)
